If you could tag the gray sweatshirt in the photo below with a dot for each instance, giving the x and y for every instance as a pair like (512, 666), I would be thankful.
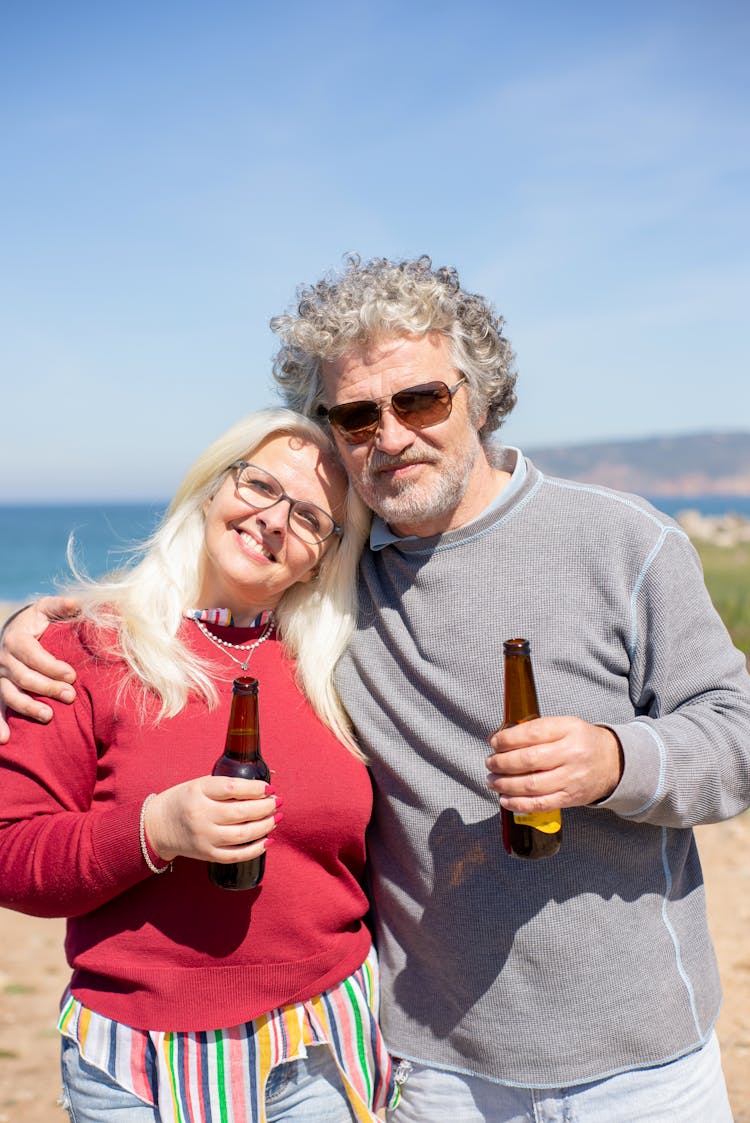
(597, 960)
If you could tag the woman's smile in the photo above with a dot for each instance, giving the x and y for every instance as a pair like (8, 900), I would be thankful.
(255, 546)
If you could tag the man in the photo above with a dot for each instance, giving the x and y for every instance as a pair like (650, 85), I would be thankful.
(582, 986)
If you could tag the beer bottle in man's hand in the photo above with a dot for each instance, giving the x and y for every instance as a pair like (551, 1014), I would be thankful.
(241, 757)
(537, 835)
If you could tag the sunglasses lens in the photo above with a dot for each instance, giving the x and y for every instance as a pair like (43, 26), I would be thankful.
(356, 421)
(421, 406)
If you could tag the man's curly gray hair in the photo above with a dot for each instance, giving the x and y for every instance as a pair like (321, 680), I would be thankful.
(379, 299)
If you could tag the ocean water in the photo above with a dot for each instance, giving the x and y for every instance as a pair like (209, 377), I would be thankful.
(710, 505)
(33, 539)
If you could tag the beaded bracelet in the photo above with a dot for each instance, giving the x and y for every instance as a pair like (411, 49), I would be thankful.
(142, 838)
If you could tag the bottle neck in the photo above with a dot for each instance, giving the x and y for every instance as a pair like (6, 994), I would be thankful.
(243, 732)
(520, 692)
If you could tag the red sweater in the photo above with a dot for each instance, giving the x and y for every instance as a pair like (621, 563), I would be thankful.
(174, 952)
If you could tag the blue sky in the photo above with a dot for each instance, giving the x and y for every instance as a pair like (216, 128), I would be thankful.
(172, 171)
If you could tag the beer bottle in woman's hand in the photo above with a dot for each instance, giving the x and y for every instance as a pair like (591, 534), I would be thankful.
(241, 758)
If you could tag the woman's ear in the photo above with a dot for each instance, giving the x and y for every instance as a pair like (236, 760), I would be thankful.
(311, 575)
(208, 501)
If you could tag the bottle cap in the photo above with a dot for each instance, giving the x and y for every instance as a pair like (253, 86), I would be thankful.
(516, 646)
(245, 685)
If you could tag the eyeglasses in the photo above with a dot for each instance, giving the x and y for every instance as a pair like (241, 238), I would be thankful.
(416, 406)
(258, 488)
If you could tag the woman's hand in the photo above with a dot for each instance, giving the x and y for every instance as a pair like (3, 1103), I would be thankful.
(213, 819)
(26, 668)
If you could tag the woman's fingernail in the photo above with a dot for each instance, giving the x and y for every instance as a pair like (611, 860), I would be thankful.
(267, 843)
(278, 816)
(270, 790)
(279, 800)
(67, 695)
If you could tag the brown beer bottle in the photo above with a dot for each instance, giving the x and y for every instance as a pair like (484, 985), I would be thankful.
(241, 757)
(537, 835)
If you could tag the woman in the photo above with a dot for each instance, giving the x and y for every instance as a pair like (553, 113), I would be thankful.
(185, 997)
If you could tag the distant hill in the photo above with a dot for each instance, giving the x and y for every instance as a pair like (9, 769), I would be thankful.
(689, 464)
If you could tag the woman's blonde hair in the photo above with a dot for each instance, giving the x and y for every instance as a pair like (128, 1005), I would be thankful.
(143, 604)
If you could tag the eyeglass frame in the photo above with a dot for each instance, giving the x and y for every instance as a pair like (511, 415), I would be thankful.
(239, 466)
(382, 403)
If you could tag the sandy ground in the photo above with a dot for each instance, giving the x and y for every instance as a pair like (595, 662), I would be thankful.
(33, 975)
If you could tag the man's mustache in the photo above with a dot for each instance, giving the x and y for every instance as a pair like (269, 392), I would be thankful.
(379, 460)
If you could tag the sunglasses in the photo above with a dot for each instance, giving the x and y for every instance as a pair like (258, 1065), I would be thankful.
(416, 406)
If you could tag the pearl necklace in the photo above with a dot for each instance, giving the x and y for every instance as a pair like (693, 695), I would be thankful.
(249, 648)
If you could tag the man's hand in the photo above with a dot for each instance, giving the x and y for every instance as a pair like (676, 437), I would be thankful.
(26, 668)
(553, 762)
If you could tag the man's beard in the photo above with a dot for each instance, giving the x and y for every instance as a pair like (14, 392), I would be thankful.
(411, 503)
